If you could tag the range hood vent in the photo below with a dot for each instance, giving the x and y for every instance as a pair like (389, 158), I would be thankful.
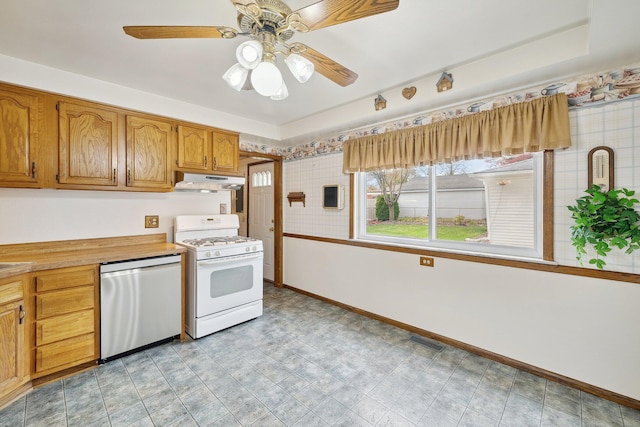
(204, 183)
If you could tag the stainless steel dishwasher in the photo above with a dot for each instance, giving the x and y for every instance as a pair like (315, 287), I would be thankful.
(140, 304)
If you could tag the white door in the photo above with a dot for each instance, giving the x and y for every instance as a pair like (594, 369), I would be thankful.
(261, 219)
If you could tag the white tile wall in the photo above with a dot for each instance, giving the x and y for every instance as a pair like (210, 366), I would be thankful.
(309, 176)
(614, 125)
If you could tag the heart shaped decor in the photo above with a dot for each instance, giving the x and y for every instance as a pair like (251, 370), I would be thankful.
(408, 92)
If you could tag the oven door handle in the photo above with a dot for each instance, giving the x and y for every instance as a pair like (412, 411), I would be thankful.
(241, 257)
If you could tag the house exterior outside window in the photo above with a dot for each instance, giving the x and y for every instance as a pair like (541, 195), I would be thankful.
(489, 206)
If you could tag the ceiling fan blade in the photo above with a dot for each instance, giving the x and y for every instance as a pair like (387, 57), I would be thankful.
(331, 12)
(325, 66)
(179, 32)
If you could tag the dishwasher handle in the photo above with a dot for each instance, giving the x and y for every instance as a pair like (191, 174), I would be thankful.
(140, 263)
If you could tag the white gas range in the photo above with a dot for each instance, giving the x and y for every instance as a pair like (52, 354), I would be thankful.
(224, 272)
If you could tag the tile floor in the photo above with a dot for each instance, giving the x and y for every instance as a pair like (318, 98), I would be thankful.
(307, 363)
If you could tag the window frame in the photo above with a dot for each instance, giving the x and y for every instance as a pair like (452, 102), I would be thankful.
(542, 221)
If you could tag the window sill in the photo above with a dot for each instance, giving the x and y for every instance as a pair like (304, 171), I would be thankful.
(450, 252)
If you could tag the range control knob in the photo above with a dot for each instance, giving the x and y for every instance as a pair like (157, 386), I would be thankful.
(217, 253)
(247, 249)
(254, 249)
(208, 254)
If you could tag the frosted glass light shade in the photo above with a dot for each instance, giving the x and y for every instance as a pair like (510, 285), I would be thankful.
(236, 76)
(300, 67)
(281, 94)
(266, 79)
(249, 54)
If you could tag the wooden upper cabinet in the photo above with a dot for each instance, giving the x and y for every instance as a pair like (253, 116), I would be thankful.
(88, 145)
(225, 152)
(19, 146)
(149, 153)
(194, 148)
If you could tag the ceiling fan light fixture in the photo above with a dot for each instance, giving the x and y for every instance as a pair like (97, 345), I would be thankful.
(249, 54)
(266, 78)
(236, 76)
(301, 68)
(281, 94)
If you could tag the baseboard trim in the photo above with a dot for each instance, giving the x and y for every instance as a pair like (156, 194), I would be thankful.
(552, 376)
(15, 394)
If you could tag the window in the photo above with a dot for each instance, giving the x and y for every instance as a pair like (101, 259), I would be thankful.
(261, 179)
(489, 206)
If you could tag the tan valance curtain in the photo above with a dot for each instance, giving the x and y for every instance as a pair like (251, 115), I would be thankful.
(536, 125)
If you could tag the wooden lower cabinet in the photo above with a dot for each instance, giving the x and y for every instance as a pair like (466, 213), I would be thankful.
(66, 319)
(13, 355)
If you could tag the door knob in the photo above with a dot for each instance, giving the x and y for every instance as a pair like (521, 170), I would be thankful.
(271, 229)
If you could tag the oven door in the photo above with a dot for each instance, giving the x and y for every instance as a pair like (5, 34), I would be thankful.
(228, 282)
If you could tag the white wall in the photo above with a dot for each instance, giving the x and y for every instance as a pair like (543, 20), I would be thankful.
(579, 327)
(575, 326)
(34, 215)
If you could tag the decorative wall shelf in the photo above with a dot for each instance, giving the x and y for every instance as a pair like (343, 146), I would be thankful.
(296, 197)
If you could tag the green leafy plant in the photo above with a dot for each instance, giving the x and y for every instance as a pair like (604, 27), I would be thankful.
(605, 220)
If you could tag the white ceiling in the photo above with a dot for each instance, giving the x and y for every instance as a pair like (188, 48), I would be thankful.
(404, 47)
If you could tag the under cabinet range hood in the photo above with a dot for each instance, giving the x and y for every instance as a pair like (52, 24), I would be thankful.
(203, 182)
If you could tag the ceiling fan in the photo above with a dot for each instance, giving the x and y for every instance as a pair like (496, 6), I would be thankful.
(270, 24)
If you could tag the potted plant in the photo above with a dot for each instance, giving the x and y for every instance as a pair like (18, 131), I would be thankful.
(603, 220)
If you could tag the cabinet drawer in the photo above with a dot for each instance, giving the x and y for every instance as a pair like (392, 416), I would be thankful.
(66, 326)
(66, 278)
(11, 291)
(63, 302)
(67, 353)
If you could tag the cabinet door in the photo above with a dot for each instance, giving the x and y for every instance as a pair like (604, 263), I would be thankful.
(19, 145)
(149, 145)
(225, 152)
(11, 345)
(194, 148)
(88, 146)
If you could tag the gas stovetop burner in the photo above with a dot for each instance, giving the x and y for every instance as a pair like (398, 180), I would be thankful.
(218, 241)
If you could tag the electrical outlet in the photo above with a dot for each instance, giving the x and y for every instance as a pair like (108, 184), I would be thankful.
(426, 261)
(151, 221)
